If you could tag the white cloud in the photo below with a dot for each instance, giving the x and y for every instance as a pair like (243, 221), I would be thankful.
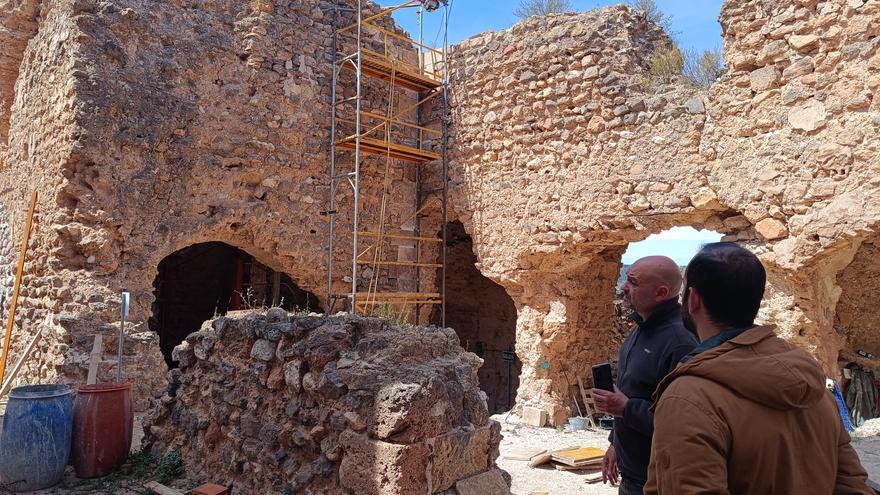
(686, 234)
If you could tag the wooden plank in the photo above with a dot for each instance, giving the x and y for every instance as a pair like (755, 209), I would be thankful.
(540, 459)
(399, 263)
(524, 453)
(94, 359)
(404, 237)
(7, 386)
(17, 287)
(162, 489)
(578, 456)
(401, 295)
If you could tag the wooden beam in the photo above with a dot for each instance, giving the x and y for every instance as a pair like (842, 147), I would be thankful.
(94, 359)
(24, 245)
(7, 386)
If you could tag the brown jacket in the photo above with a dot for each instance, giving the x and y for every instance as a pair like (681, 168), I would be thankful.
(751, 416)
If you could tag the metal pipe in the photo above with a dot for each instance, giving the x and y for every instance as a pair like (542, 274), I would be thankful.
(445, 146)
(357, 162)
(331, 207)
(123, 312)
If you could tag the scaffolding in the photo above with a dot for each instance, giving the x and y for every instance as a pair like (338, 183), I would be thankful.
(398, 134)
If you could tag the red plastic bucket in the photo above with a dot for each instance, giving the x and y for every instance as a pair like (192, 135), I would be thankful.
(102, 428)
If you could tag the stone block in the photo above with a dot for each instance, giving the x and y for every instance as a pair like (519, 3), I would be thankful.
(764, 78)
(532, 416)
(373, 467)
(488, 483)
(459, 454)
(807, 117)
(263, 350)
(771, 229)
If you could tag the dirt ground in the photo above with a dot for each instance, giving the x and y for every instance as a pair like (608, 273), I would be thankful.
(547, 479)
(525, 480)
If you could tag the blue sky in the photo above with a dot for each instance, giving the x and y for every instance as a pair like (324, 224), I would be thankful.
(679, 243)
(694, 22)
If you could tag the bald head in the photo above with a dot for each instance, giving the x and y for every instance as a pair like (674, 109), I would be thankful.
(650, 282)
(661, 270)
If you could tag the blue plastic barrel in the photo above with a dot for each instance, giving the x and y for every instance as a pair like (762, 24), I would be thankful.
(35, 438)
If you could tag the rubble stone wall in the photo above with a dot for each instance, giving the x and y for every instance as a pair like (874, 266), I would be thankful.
(146, 130)
(564, 150)
(318, 404)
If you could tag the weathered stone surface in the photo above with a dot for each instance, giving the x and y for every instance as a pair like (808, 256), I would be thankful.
(459, 454)
(237, 414)
(263, 350)
(808, 116)
(764, 78)
(803, 42)
(373, 467)
(488, 483)
(771, 229)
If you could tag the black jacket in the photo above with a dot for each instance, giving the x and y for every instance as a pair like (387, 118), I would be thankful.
(650, 352)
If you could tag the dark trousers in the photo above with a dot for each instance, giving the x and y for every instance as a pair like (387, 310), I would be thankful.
(629, 487)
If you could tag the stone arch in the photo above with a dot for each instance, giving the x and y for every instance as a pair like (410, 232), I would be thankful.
(207, 279)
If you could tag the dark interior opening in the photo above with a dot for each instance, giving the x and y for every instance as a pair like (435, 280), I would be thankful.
(484, 317)
(207, 280)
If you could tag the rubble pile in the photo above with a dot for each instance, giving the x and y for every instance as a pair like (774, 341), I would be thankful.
(269, 402)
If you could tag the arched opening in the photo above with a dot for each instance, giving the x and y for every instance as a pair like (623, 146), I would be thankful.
(206, 280)
(678, 243)
(484, 317)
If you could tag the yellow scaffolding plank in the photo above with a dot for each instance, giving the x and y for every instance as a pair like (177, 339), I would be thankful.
(399, 263)
(397, 151)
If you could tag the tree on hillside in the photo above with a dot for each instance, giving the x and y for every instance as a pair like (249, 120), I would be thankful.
(528, 8)
(703, 69)
(653, 13)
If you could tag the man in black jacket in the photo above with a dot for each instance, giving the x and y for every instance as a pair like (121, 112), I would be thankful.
(651, 350)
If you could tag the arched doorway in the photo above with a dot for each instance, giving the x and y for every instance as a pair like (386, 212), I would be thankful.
(484, 318)
(206, 280)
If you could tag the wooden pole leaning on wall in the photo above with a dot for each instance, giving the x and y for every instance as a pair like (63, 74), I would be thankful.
(24, 244)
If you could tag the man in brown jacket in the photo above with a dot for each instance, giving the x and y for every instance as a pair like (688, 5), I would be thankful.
(746, 412)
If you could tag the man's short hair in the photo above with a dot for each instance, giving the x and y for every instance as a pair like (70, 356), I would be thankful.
(730, 280)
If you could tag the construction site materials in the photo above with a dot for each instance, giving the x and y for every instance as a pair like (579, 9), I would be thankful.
(524, 454)
(4, 389)
(588, 403)
(36, 435)
(123, 313)
(398, 134)
(103, 418)
(94, 359)
(161, 489)
(579, 457)
(532, 416)
(24, 243)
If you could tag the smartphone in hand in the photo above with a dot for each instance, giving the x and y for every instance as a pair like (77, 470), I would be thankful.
(602, 377)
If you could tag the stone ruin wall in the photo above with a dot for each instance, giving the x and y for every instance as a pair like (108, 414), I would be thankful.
(268, 403)
(146, 131)
(562, 154)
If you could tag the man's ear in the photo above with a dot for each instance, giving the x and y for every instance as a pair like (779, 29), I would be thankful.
(694, 301)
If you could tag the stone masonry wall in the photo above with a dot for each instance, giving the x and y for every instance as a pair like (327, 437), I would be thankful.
(316, 404)
(564, 151)
(146, 130)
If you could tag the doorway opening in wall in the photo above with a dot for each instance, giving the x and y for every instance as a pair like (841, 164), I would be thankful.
(206, 280)
(484, 318)
(678, 243)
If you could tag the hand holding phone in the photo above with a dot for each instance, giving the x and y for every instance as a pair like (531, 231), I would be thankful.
(602, 377)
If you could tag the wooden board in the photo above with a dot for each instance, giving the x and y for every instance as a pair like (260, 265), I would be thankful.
(94, 359)
(162, 489)
(524, 453)
(579, 456)
(592, 467)
(540, 459)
